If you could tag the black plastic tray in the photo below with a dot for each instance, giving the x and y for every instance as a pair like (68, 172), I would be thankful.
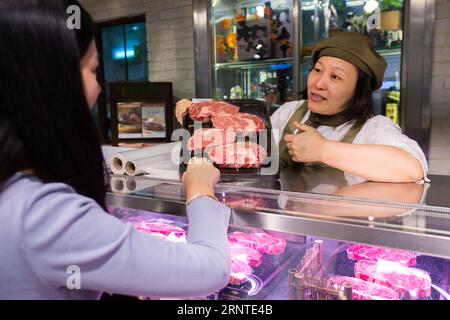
(256, 107)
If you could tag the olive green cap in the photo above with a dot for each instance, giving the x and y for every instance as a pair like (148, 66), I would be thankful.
(356, 49)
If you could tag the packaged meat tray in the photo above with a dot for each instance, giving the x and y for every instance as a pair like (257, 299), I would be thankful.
(235, 135)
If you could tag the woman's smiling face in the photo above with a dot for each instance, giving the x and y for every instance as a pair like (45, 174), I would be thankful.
(331, 85)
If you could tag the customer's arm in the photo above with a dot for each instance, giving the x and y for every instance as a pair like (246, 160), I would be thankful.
(62, 228)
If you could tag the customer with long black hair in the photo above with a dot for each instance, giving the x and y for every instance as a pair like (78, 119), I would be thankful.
(52, 187)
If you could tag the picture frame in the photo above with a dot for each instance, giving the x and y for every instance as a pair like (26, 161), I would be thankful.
(141, 112)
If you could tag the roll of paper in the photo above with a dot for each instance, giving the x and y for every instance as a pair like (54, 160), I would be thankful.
(118, 184)
(133, 184)
(125, 185)
(119, 160)
(142, 166)
(117, 163)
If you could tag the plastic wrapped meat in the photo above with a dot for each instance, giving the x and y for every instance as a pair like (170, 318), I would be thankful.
(163, 231)
(243, 123)
(363, 290)
(262, 242)
(411, 282)
(245, 254)
(238, 155)
(364, 252)
(203, 111)
(239, 271)
(203, 138)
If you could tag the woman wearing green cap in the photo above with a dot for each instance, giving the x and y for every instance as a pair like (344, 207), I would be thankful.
(334, 124)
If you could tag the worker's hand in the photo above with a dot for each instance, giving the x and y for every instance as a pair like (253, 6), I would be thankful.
(200, 178)
(306, 146)
(181, 108)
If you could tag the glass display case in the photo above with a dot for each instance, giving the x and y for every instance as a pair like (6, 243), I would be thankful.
(304, 245)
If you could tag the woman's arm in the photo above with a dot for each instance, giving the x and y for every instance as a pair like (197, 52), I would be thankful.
(63, 229)
(374, 162)
(382, 163)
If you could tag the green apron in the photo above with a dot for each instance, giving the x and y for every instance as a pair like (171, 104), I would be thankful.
(285, 157)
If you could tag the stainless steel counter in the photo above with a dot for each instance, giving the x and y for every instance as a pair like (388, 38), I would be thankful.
(321, 203)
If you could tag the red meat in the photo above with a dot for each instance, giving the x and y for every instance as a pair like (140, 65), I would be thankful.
(406, 281)
(245, 254)
(161, 228)
(243, 123)
(203, 138)
(239, 271)
(162, 231)
(370, 253)
(266, 243)
(363, 290)
(262, 242)
(203, 111)
(238, 155)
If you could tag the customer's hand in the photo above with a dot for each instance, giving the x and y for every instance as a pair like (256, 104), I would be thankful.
(306, 146)
(181, 108)
(200, 178)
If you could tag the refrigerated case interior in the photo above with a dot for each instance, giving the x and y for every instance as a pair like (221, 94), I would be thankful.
(253, 50)
(311, 268)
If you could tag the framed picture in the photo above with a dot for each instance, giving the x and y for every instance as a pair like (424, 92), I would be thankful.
(129, 119)
(141, 112)
(153, 120)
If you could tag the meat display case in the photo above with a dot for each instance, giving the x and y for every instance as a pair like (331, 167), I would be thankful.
(321, 232)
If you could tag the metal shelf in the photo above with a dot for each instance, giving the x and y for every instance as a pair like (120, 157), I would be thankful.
(253, 63)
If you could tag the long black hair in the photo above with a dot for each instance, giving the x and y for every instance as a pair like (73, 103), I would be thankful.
(45, 123)
(361, 106)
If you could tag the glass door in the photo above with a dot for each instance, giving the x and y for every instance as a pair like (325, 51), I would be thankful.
(253, 50)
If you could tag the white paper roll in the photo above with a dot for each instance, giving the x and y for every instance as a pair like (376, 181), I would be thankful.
(141, 166)
(126, 185)
(118, 184)
(119, 160)
(117, 163)
(133, 184)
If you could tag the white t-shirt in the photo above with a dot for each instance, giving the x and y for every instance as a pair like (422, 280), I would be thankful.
(376, 130)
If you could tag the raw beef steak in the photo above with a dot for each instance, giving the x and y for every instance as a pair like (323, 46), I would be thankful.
(238, 155)
(203, 138)
(239, 271)
(364, 252)
(203, 111)
(245, 254)
(243, 123)
(406, 281)
(363, 290)
(262, 242)
(153, 227)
